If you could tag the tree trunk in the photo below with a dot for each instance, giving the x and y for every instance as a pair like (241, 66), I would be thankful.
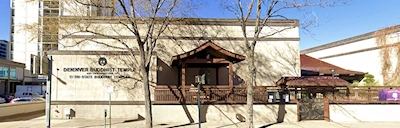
(250, 90)
(147, 99)
(144, 68)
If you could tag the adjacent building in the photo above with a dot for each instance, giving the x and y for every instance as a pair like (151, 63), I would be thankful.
(11, 75)
(4, 50)
(375, 53)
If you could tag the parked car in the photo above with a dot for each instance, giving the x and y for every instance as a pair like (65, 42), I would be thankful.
(2, 100)
(6, 97)
(27, 94)
(26, 99)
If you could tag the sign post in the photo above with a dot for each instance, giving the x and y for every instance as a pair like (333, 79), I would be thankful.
(110, 89)
(48, 91)
(200, 79)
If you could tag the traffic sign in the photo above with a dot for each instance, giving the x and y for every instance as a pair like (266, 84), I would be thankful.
(110, 89)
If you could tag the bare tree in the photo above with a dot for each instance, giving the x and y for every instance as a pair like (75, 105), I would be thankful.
(125, 25)
(262, 11)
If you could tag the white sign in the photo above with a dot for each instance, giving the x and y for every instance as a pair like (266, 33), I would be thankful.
(395, 95)
(110, 89)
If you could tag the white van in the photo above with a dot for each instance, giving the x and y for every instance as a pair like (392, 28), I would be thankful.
(26, 94)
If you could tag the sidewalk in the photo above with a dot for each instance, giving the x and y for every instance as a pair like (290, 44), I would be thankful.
(40, 122)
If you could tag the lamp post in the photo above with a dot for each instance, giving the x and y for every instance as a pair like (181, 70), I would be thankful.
(333, 72)
(57, 85)
(199, 79)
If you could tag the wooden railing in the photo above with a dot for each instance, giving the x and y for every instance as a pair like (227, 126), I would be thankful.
(361, 94)
(237, 95)
(210, 94)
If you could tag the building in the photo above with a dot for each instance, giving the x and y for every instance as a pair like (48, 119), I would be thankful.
(374, 52)
(82, 69)
(26, 47)
(4, 50)
(11, 74)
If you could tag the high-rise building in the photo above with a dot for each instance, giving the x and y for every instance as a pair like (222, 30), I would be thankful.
(4, 50)
(29, 46)
(44, 15)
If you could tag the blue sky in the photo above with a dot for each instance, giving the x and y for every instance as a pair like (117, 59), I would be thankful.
(334, 23)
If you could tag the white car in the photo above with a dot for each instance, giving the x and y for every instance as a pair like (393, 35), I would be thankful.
(2, 100)
(27, 94)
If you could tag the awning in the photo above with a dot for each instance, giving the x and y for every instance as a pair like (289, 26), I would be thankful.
(212, 51)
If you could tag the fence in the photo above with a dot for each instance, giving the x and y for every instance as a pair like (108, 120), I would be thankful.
(361, 94)
(237, 95)
(214, 94)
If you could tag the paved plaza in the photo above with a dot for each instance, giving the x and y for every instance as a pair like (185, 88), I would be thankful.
(39, 122)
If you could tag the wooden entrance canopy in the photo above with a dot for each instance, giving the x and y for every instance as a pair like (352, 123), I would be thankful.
(207, 55)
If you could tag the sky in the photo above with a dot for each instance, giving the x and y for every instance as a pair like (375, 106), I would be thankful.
(354, 18)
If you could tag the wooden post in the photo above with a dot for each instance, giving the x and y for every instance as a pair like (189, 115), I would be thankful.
(333, 93)
(217, 75)
(369, 94)
(230, 82)
(230, 75)
(326, 108)
(298, 110)
(348, 93)
(183, 79)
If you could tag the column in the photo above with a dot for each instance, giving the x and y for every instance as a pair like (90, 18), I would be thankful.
(183, 79)
(8, 80)
(230, 75)
(326, 107)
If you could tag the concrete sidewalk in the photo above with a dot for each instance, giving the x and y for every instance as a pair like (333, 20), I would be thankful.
(40, 122)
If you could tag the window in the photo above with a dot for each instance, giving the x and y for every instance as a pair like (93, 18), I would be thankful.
(12, 3)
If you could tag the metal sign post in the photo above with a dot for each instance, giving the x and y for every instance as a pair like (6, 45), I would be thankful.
(105, 118)
(110, 89)
(48, 91)
(200, 79)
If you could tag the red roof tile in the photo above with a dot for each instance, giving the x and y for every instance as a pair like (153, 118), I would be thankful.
(308, 63)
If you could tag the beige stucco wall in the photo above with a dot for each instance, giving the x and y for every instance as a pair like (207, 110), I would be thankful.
(275, 58)
(364, 112)
(79, 89)
(97, 111)
(20, 108)
(222, 113)
(366, 61)
(176, 113)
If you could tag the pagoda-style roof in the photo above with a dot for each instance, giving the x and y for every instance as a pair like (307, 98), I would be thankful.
(310, 65)
(208, 53)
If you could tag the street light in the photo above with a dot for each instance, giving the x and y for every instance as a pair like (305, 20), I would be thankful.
(199, 79)
(57, 84)
(333, 72)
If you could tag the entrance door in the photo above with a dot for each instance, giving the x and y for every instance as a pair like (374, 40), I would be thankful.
(311, 108)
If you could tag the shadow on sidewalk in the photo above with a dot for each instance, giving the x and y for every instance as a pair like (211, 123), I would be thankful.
(140, 118)
(182, 125)
(23, 117)
(268, 125)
